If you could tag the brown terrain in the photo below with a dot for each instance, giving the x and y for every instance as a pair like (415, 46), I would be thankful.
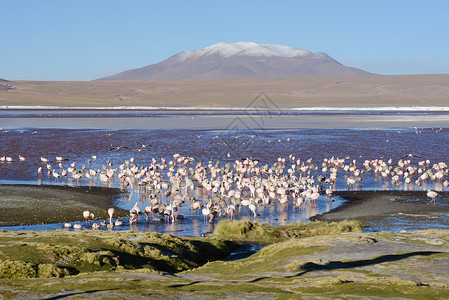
(358, 91)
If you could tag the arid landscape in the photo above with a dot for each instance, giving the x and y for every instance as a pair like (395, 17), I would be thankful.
(304, 92)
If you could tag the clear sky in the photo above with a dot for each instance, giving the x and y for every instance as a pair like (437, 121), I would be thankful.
(88, 39)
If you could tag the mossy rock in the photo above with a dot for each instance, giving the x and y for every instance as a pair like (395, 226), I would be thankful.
(50, 270)
(25, 254)
(244, 230)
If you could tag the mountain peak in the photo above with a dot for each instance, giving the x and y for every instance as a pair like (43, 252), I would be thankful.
(222, 50)
(225, 50)
(241, 59)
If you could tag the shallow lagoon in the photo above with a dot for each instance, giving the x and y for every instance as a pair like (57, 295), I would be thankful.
(213, 137)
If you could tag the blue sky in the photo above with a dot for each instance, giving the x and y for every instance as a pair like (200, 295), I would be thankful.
(88, 39)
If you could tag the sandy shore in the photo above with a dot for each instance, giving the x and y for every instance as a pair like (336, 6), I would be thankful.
(30, 204)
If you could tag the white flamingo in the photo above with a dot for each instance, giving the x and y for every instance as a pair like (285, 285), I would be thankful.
(111, 212)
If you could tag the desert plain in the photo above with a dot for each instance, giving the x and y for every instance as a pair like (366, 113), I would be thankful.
(286, 93)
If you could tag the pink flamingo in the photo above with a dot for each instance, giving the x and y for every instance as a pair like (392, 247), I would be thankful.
(87, 214)
(433, 195)
(230, 211)
(147, 211)
(206, 213)
(196, 206)
(350, 181)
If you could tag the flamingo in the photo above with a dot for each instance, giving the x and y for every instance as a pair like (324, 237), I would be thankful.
(314, 195)
(154, 201)
(253, 208)
(147, 211)
(350, 181)
(134, 213)
(87, 214)
(143, 145)
(432, 194)
(196, 206)
(206, 212)
(446, 185)
(169, 213)
(111, 212)
(230, 210)
(118, 147)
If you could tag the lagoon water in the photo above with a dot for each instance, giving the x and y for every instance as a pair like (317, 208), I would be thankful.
(217, 136)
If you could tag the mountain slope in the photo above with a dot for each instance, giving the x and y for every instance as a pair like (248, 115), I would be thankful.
(241, 60)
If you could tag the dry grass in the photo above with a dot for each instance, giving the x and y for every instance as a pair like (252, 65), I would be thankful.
(376, 90)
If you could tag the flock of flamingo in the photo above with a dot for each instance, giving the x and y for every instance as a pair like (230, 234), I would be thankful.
(241, 186)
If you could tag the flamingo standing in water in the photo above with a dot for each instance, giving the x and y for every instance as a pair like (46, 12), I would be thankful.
(147, 210)
(197, 206)
(350, 181)
(206, 212)
(253, 208)
(135, 213)
(87, 214)
(433, 195)
(230, 211)
(111, 212)
(446, 185)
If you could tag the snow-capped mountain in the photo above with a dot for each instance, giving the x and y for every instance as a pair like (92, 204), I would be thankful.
(242, 59)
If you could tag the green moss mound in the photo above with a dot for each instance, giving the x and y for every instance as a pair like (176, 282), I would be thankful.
(264, 233)
(60, 253)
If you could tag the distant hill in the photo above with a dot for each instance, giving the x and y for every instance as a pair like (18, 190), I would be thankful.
(241, 60)
(4, 86)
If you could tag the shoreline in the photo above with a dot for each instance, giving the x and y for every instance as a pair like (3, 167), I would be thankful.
(33, 204)
(22, 204)
(224, 108)
(374, 207)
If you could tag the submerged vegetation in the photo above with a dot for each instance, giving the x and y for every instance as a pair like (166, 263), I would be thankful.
(310, 260)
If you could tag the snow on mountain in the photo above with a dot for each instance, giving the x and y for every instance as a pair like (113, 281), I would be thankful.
(274, 50)
(241, 59)
(225, 50)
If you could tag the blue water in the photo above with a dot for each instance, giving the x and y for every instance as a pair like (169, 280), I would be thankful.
(232, 139)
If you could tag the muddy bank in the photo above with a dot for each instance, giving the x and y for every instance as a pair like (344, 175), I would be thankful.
(30, 204)
(379, 207)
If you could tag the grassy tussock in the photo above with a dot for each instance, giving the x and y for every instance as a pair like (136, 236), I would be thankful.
(262, 232)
